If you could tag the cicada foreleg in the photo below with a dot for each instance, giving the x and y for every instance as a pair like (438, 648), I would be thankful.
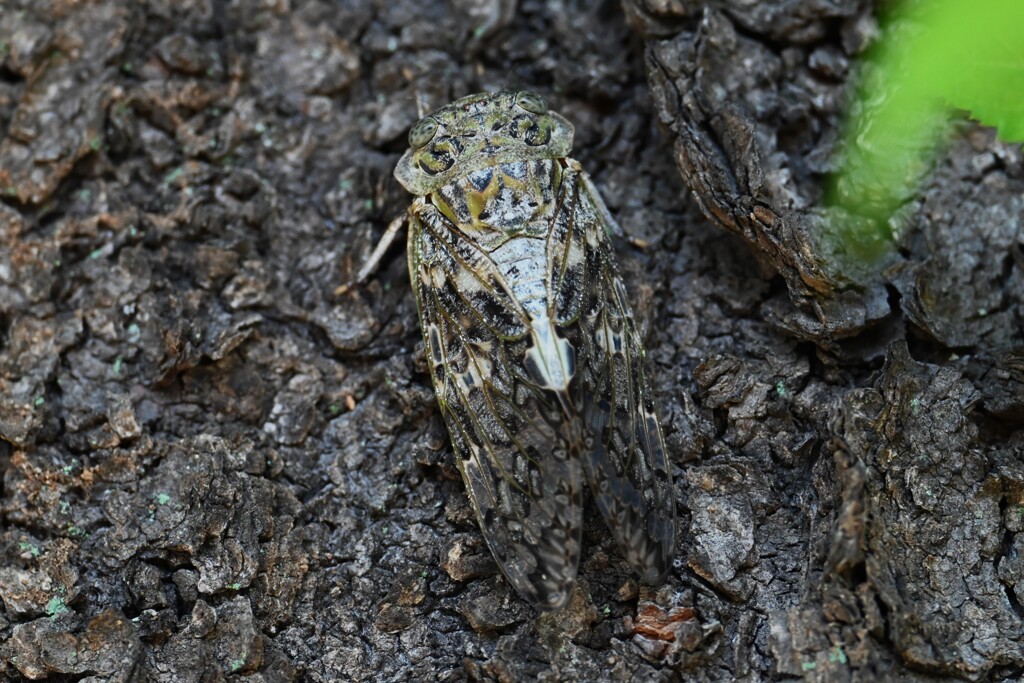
(376, 256)
(612, 227)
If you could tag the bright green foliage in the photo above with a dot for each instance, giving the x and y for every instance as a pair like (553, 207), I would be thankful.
(938, 56)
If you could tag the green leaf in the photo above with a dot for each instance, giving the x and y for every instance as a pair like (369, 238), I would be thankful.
(937, 56)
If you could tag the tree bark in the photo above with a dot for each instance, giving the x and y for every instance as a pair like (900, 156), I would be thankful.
(215, 468)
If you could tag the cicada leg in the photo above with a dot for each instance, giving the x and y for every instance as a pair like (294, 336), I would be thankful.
(612, 227)
(373, 262)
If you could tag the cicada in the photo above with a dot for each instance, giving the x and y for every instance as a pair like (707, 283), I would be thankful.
(534, 354)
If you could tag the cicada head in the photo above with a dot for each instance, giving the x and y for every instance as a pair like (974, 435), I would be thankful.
(479, 131)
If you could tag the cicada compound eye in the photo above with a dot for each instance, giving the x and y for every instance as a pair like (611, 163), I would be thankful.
(531, 102)
(423, 132)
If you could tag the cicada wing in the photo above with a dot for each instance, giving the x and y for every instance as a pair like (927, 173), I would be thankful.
(626, 466)
(518, 456)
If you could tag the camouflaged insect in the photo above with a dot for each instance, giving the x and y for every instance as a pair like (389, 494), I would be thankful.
(535, 358)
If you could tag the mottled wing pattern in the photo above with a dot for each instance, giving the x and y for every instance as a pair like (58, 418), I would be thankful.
(626, 466)
(514, 447)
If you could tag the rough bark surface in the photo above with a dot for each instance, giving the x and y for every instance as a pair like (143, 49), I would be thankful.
(214, 469)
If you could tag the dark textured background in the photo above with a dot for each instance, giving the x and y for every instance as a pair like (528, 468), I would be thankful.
(215, 469)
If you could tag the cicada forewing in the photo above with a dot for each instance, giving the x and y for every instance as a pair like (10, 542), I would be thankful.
(625, 462)
(518, 453)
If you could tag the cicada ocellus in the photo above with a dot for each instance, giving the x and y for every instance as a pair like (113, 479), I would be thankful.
(531, 343)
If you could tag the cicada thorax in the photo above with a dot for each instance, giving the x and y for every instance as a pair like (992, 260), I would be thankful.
(504, 200)
(511, 211)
